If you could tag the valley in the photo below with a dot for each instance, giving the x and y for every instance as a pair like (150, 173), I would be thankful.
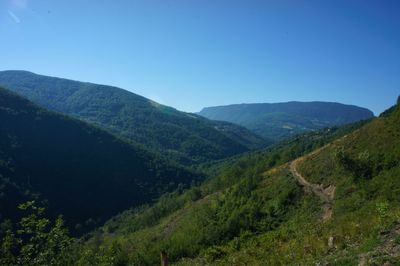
(307, 193)
(199, 133)
(304, 208)
(186, 138)
(76, 170)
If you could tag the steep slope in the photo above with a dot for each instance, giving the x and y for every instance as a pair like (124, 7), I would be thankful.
(359, 176)
(356, 180)
(186, 137)
(280, 120)
(249, 197)
(336, 205)
(83, 172)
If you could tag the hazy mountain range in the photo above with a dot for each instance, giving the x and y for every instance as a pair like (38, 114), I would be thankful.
(276, 121)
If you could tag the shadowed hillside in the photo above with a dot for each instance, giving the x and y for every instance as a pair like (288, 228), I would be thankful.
(83, 172)
(185, 137)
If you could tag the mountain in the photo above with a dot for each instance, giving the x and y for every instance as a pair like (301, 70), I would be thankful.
(329, 197)
(277, 121)
(83, 172)
(186, 137)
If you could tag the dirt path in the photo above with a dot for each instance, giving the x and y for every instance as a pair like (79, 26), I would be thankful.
(325, 194)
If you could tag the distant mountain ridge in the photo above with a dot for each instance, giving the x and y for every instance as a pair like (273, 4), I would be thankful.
(188, 138)
(277, 121)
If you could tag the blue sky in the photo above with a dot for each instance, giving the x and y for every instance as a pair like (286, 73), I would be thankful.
(192, 54)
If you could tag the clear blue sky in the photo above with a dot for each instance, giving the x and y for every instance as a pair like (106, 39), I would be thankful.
(191, 54)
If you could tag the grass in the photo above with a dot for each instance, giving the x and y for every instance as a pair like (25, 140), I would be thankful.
(254, 212)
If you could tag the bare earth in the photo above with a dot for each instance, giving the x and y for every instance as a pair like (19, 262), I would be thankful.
(325, 194)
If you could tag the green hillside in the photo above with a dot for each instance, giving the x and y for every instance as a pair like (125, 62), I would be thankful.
(82, 172)
(280, 120)
(361, 171)
(188, 138)
(255, 212)
(326, 197)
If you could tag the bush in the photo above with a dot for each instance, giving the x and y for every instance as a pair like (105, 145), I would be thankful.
(361, 167)
(36, 241)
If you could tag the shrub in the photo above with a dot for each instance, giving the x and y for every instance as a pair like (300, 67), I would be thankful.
(36, 241)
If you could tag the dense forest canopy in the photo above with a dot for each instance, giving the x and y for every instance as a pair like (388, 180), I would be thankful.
(83, 172)
(188, 138)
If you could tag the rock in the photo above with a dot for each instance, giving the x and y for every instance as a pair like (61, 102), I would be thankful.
(330, 242)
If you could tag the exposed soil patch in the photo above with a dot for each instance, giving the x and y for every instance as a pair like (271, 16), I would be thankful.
(326, 194)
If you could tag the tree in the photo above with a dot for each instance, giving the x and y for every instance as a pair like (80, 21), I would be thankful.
(36, 241)
(360, 167)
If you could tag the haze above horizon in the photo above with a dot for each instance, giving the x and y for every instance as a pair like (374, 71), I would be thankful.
(190, 54)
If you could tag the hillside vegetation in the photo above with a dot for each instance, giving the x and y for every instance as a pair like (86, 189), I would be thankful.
(83, 172)
(327, 197)
(255, 212)
(364, 168)
(187, 138)
(278, 121)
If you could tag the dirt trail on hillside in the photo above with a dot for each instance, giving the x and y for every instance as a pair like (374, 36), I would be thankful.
(325, 194)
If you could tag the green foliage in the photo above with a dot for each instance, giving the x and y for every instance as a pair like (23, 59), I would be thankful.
(281, 120)
(187, 138)
(383, 213)
(112, 255)
(360, 167)
(397, 240)
(242, 210)
(250, 210)
(253, 210)
(233, 169)
(228, 209)
(215, 252)
(84, 173)
(36, 241)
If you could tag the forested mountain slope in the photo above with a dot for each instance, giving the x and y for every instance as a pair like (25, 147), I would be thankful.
(85, 173)
(256, 212)
(361, 173)
(188, 138)
(277, 121)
